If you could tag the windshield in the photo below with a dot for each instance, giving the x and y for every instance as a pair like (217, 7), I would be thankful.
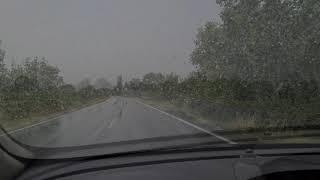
(77, 73)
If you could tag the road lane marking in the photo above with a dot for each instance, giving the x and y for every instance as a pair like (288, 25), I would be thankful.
(111, 123)
(33, 125)
(188, 123)
(50, 119)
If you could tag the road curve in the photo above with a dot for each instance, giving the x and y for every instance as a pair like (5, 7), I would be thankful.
(117, 119)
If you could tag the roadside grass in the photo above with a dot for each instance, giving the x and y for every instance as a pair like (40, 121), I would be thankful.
(188, 113)
(13, 124)
(240, 128)
(181, 111)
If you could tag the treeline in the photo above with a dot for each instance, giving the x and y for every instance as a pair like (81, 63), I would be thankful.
(291, 104)
(261, 40)
(37, 88)
(263, 55)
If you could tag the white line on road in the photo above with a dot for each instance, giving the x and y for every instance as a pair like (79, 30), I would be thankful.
(188, 123)
(50, 119)
(111, 123)
(27, 127)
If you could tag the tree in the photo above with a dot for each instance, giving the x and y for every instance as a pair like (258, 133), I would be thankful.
(68, 90)
(266, 52)
(119, 86)
(261, 40)
(102, 83)
(2, 55)
(87, 92)
(32, 87)
(84, 83)
(170, 85)
(45, 76)
(152, 80)
(36, 87)
(3, 70)
(135, 84)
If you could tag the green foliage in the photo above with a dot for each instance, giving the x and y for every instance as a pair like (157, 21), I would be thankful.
(119, 86)
(3, 70)
(35, 87)
(87, 92)
(152, 80)
(261, 40)
(169, 86)
(264, 55)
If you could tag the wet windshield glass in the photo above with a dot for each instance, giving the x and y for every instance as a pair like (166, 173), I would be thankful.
(76, 73)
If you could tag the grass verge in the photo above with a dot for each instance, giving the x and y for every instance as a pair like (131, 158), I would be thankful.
(242, 128)
(34, 118)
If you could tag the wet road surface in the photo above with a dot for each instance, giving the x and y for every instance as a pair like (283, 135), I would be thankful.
(117, 119)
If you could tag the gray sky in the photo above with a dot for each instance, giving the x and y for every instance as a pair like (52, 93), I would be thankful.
(90, 38)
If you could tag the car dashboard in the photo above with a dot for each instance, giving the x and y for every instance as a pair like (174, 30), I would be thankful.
(238, 165)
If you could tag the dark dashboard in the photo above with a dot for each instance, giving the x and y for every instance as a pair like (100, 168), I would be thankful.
(239, 164)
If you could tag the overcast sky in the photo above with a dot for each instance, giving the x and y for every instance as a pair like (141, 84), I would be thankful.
(91, 38)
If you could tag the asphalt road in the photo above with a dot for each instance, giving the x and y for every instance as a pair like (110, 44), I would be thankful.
(117, 119)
